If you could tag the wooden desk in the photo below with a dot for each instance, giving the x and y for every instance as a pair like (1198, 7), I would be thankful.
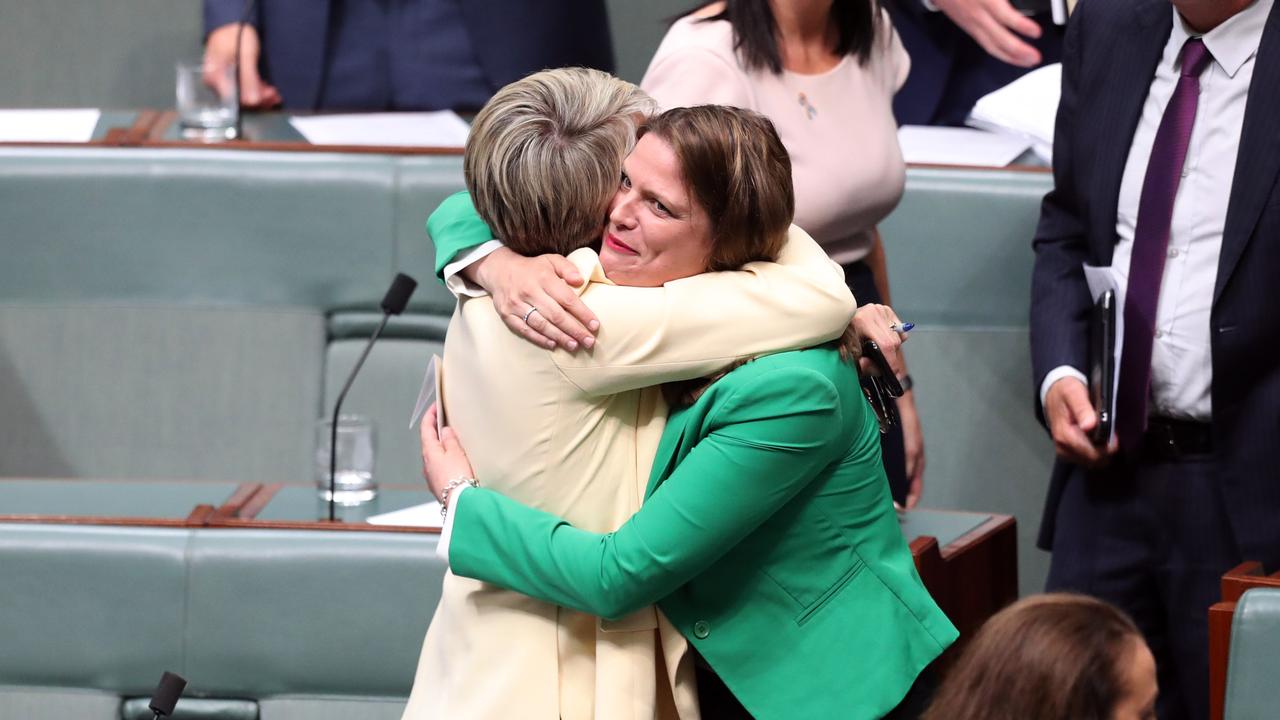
(972, 576)
(1234, 584)
(195, 503)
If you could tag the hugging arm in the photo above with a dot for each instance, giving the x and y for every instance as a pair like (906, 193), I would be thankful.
(764, 445)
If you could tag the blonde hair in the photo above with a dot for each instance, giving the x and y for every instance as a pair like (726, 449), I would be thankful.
(545, 156)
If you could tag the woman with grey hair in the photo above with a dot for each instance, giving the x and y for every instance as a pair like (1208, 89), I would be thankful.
(575, 433)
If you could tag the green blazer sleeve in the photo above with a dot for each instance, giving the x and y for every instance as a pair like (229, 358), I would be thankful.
(761, 445)
(454, 227)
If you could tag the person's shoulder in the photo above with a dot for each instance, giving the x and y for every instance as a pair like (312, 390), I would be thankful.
(1115, 14)
(697, 33)
(785, 372)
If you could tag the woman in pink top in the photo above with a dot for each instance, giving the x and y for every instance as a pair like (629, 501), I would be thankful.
(825, 72)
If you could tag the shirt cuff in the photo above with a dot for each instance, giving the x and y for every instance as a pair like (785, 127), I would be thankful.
(458, 284)
(446, 532)
(1056, 374)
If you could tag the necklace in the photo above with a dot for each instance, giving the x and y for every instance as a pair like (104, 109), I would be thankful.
(809, 110)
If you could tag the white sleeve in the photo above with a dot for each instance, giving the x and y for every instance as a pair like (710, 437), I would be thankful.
(457, 283)
(446, 532)
(1056, 374)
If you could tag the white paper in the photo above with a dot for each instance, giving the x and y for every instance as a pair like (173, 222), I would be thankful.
(1100, 280)
(416, 129)
(48, 125)
(424, 515)
(430, 392)
(959, 146)
(1026, 107)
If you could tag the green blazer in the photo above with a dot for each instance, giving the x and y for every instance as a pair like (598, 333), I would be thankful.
(767, 537)
(455, 226)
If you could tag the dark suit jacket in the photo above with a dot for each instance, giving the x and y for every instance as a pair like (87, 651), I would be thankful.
(1111, 51)
(949, 71)
(512, 38)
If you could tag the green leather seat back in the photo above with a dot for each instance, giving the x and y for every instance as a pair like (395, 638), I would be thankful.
(959, 255)
(308, 613)
(163, 313)
(1255, 656)
(91, 607)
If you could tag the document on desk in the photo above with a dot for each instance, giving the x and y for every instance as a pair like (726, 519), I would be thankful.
(1026, 107)
(1100, 280)
(424, 515)
(959, 146)
(70, 126)
(412, 129)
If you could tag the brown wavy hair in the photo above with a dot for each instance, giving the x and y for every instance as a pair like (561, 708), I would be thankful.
(735, 167)
(1051, 657)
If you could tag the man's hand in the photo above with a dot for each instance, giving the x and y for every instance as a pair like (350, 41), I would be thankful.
(544, 283)
(220, 54)
(995, 25)
(871, 322)
(913, 444)
(1071, 418)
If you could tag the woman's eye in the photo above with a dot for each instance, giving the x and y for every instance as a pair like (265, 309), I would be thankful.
(662, 209)
(626, 181)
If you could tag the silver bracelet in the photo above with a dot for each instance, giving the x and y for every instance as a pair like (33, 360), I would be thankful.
(454, 484)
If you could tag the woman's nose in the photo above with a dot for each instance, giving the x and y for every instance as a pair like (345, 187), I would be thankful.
(622, 212)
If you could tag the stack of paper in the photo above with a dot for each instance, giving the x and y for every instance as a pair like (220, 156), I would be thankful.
(418, 129)
(959, 146)
(71, 126)
(1026, 107)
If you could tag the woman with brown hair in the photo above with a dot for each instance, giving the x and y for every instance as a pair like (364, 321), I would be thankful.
(825, 72)
(767, 536)
(1052, 657)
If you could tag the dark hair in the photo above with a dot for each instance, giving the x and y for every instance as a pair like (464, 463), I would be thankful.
(755, 32)
(1050, 657)
(735, 166)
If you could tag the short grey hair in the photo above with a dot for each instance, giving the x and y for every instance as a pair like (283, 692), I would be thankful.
(545, 156)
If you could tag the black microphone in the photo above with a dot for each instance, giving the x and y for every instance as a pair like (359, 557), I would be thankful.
(244, 20)
(167, 694)
(393, 303)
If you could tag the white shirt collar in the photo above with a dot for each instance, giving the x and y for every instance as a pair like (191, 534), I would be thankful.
(1232, 43)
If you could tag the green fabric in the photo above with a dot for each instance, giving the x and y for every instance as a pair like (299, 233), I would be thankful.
(767, 537)
(455, 226)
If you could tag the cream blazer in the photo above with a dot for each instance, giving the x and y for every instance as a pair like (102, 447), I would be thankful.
(575, 434)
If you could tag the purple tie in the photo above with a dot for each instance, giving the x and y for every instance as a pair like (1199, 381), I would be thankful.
(1150, 245)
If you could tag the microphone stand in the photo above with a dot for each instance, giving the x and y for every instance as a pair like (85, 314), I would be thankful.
(337, 407)
(393, 303)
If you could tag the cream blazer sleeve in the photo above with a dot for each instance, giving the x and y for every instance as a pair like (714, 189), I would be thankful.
(700, 325)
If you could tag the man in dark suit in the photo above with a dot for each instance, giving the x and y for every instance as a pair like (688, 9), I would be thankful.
(402, 55)
(1165, 168)
(963, 49)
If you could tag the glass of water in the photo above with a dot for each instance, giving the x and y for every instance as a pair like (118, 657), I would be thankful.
(353, 477)
(204, 112)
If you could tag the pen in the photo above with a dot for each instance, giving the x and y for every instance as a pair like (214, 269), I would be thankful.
(902, 327)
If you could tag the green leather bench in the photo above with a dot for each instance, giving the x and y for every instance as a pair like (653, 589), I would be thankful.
(1255, 656)
(276, 624)
(173, 314)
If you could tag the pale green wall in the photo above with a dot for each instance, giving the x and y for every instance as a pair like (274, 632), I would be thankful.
(94, 53)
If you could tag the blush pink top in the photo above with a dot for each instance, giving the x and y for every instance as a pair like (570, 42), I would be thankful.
(837, 125)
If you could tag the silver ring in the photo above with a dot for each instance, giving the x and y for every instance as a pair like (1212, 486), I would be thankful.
(532, 310)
